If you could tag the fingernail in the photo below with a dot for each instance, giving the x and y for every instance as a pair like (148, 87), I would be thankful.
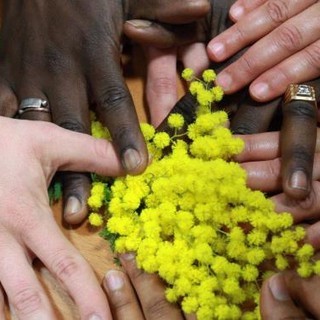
(260, 90)
(217, 49)
(299, 180)
(236, 12)
(114, 280)
(94, 317)
(140, 24)
(278, 288)
(128, 256)
(224, 80)
(131, 159)
(73, 205)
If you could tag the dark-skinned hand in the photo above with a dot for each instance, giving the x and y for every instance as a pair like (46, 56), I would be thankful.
(137, 295)
(288, 296)
(68, 52)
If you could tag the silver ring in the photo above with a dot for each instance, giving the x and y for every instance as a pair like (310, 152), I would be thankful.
(33, 104)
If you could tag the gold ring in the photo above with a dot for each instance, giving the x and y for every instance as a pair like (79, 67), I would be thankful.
(300, 92)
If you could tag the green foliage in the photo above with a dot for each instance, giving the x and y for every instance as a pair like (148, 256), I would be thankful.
(109, 236)
(55, 192)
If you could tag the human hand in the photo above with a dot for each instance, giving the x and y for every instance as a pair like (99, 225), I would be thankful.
(31, 152)
(69, 54)
(138, 295)
(288, 296)
(164, 45)
(288, 31)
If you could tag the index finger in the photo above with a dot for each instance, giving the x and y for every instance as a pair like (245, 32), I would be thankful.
(168, 11)
(115, 108)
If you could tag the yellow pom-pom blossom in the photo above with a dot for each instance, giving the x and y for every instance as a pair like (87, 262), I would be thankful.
(191, 219)
(209, 75)
(187, 74)
(175, 121)
(95, 219)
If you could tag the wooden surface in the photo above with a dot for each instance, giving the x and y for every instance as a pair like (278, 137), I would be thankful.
(92, 247)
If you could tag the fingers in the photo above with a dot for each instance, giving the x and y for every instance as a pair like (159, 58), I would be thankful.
(176, 12)
(253, 26)
(122, 297)
(301, 210)
(161, 35)
(26, 296)
(252, 117)
(298, 68)
(259, 147)
(150, 291)
(70, 110)
(313, 235)
(290, 37)
(242, 7)
(275, 300)
(27, 90)
(69, 267)
(8, 101)
(263, 175)
(186, 106)
(298, 143)
(161, 84)
(116, 111)
(76, 190)
(194, 56)
(71, 151)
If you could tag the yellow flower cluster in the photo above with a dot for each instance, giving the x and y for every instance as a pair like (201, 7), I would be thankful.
(191, 218)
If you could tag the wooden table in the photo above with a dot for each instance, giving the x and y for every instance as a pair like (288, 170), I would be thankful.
(89, 243)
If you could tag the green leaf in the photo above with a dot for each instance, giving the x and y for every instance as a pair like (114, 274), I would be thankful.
(111, 237)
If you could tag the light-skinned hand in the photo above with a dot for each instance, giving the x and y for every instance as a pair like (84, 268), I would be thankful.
(284, 40)
(31, 153)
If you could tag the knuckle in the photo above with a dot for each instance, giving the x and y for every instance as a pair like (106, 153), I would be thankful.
(313, 55)
(163, 85)
(75, 184)
(65, 266)
(102, 149)
(121, 303)
(245, 128)
(273, 168)
(157, 308)
(289, 37)
(136, 275)
(240, 35)
(301, 157)
(248, 65)
(278, 10)
(122, 134)
(302, 110)
(307, 204)
(112, 98)
(72, 124)
(26, 301)
(8, 104)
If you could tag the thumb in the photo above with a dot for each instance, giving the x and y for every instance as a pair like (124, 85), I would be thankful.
(66, 150)
(276, 302)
